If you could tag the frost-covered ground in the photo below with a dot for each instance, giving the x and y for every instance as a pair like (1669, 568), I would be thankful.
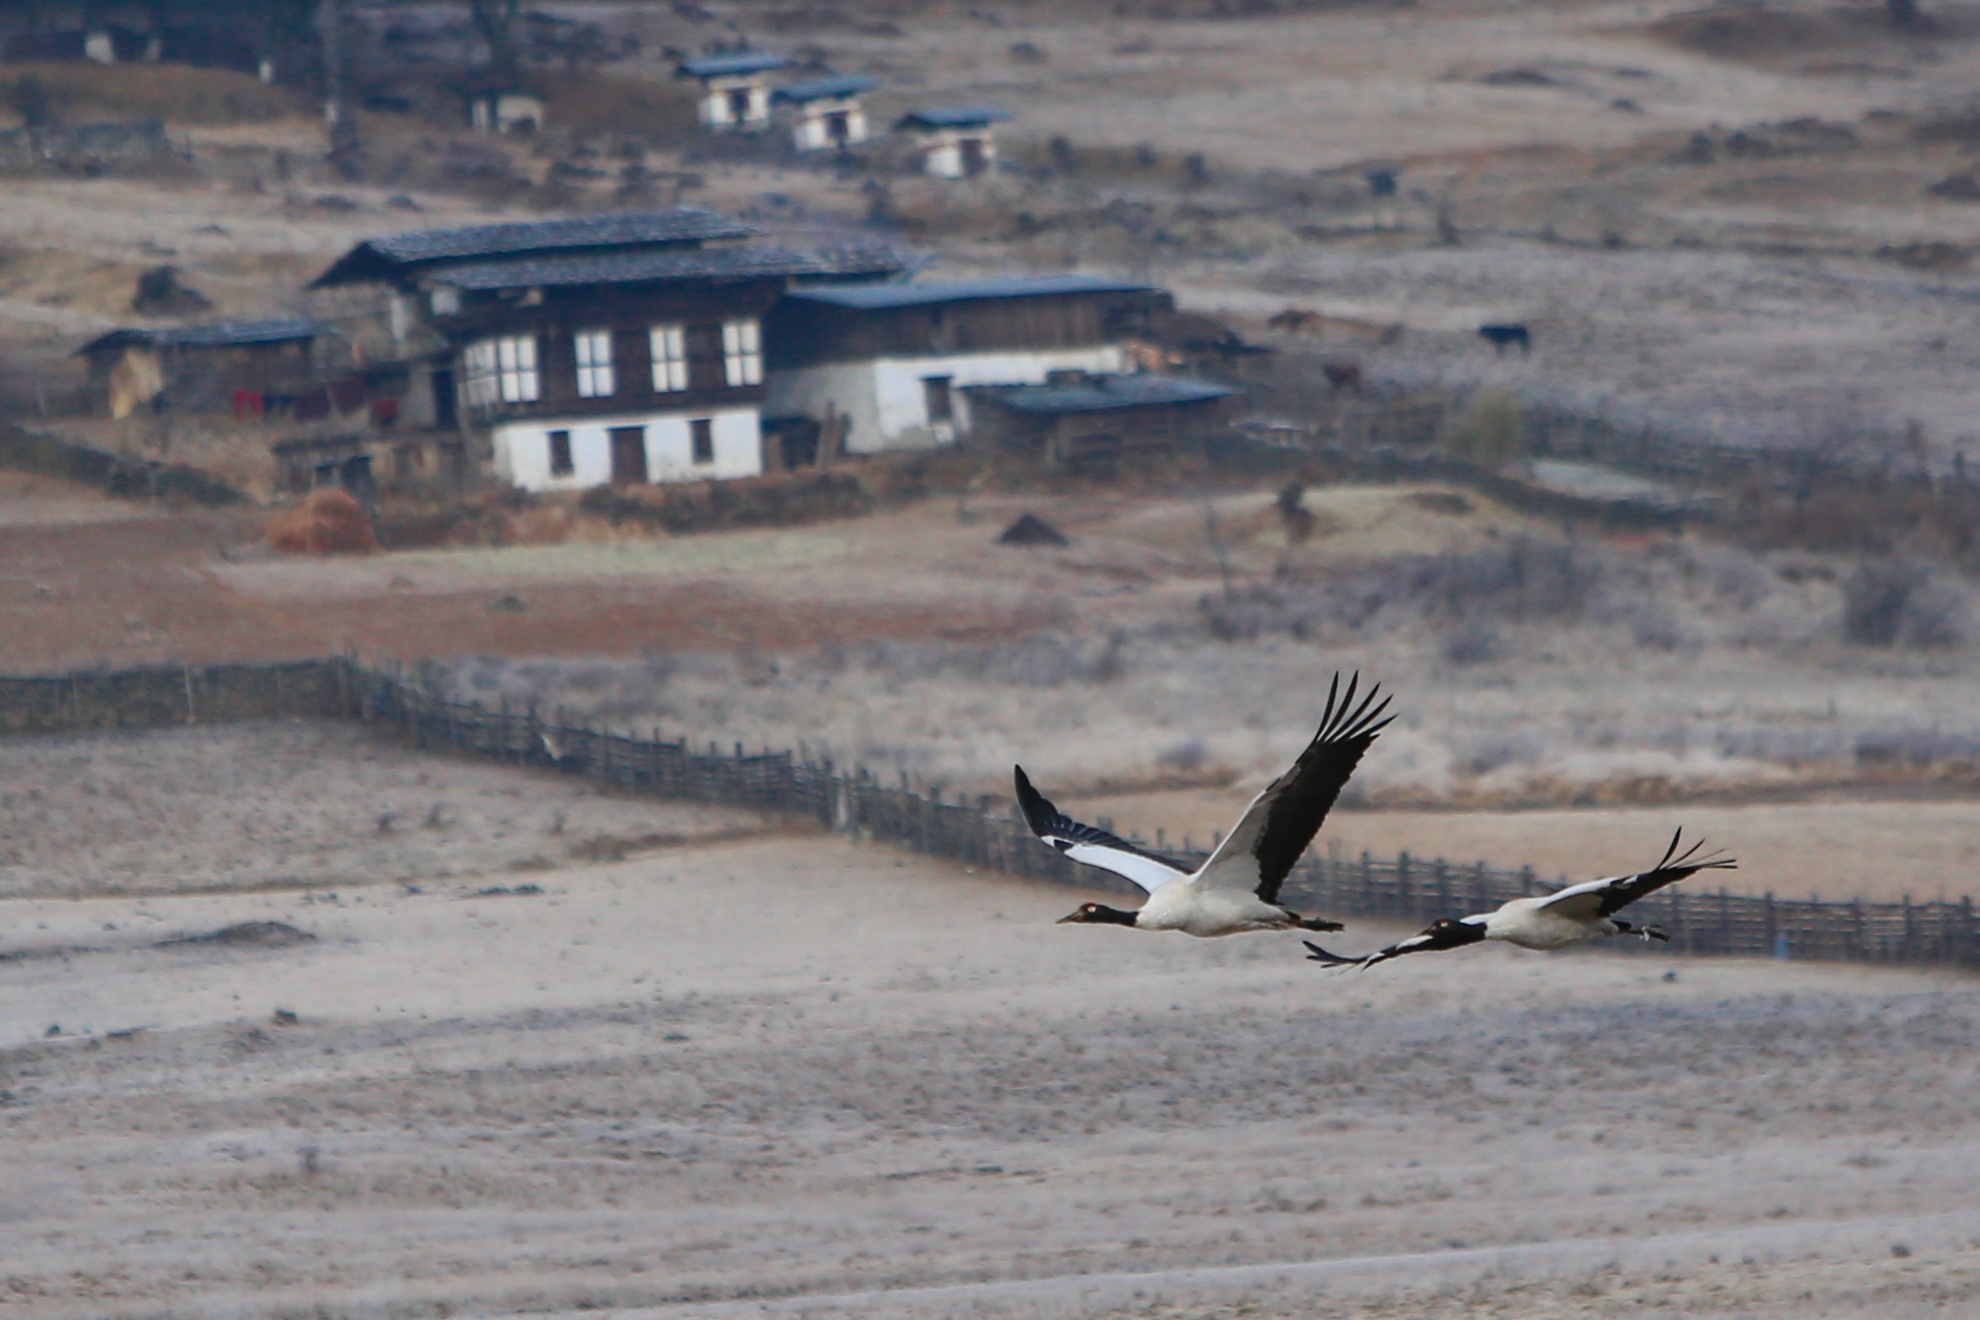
(1526, 667)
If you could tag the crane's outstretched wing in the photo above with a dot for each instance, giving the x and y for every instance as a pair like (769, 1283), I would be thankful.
(1282, 820)
(1604, 898)
(1091, 844)
(1442, 934)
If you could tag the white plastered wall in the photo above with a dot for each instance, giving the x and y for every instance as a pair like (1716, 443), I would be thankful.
(715, 111)
(886, 405)
(522, 449)
(810, 133)
(944, 157)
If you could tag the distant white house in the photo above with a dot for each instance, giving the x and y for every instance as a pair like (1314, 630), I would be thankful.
(956, 141)
(825, 113)
(735, 88)
(505, 112)
(891, 362)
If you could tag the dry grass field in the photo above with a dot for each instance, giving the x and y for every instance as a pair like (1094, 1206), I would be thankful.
(1601, 691)
(801, 1077)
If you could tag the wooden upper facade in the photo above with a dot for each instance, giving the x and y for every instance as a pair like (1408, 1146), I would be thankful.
(601, 351)
(817, 326)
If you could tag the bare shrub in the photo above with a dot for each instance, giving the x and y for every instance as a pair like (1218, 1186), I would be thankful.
(1472, 642)
(1185, 757)
(1489, 431)
(1903, 603)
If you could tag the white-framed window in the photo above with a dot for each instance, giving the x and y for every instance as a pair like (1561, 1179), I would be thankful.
(500, 371)
(515, 360)
(595, 378)
(670, 367)
(479, 387)
(742, 352)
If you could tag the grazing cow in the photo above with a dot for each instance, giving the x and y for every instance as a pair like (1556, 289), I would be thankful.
(1342, 375)
(1505, 336)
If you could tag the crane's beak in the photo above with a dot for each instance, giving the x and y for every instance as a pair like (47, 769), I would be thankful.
(1063, 920)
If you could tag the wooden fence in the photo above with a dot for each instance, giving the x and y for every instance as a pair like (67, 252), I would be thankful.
(978, 831)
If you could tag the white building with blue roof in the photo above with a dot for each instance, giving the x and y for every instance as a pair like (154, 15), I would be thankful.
(735, 88)
(826, 114)
(890, 363)
(957, 141)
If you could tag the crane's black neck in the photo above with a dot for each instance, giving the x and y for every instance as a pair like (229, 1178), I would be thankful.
(1106, 916)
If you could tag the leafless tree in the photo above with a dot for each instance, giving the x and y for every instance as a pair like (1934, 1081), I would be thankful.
(497, 22)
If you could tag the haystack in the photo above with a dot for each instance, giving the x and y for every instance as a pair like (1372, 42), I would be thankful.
(327, 522)
(1032, 530)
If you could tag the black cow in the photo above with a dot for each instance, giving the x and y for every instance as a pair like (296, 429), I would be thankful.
(1505, 336)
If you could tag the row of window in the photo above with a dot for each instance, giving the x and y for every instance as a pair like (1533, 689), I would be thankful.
(504, 370)
(629, 450)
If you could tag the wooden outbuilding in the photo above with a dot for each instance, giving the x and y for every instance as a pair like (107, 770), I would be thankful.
(212, 368)
(1093, 425)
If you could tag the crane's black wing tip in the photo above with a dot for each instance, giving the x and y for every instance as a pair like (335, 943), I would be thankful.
(1314, 953)
(1039, 814)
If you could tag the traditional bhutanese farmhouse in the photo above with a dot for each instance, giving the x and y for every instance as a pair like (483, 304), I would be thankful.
(888, 363)
(206, 368)
(1090, 424)
(613, 348)
(735, 88)
(956, 140)
(825, 113)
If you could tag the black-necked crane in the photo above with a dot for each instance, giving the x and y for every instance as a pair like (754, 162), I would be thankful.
(1237, 889)
(1550, 921)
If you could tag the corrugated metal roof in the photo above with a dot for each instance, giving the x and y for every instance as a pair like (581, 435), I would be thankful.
(1105, 393)
(720, 66)
(819, 89)
(880, 297)
(954, 116)
(685, 224)
(214, 334)
(760, 261)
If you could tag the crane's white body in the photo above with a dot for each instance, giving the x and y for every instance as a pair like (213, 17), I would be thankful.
(1531, 923)
(1184, 905)
(1237, 888)
(1549, 921)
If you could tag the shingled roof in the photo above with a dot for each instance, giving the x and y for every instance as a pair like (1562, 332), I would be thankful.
(213, 334)
(759, 261)
(882, 297)
(1106, 393)
(953, 116)
(398, 255)
(821, 89)
(732, 65)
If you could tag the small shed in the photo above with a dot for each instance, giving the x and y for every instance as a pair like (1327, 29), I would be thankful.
(505, 112)
(1089, 424)
(735, 88)
(956, 140)
(825, 113)
(219, 367)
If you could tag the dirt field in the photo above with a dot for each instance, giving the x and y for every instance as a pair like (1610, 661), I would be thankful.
(300, 806)
(663, 1087)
